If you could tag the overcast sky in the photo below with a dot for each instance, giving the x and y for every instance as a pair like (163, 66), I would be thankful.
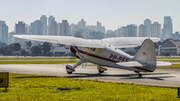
(111, 13)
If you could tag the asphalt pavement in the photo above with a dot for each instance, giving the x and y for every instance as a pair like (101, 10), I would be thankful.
(161, 77)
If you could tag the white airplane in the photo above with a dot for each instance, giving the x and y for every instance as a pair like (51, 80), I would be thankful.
(105, 52)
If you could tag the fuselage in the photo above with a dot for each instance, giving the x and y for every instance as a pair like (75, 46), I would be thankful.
(107, 56)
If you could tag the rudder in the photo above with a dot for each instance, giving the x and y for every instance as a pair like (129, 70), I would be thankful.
(147, 55)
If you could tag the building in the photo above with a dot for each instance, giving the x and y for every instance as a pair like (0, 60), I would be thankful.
(58, 29)
(36, 28)
(53, 28)
(147, 23)
(64, 28)
(43, 20)
(110, 33)
(156, 30)
(50, 19)
(124, 31)
(167, 28)
(81, 24)
(176, 35)
(142, 31)
(1, 23)
(60, 50)
(97, 28)
(132, 30)
(20, 28)
(10, 37)
(27, 29)
(72, 29)
(170, 47)
(5, 33)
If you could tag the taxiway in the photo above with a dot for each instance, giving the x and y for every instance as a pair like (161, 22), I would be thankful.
(161, 76)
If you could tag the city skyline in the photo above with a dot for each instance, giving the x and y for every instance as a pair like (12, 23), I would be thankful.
(112, 14)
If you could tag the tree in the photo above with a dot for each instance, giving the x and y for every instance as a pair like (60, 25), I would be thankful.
(46, 47)
(2, 44)
(8, 50)
(36, 50)
(16, 46)
(28, 44)
(24, 52)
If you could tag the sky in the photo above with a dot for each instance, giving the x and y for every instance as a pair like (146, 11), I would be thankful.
(111, 13)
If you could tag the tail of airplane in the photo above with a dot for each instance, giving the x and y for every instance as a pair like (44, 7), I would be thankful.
(146, 55)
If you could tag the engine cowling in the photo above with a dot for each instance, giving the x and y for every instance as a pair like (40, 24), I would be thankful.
(73, 51)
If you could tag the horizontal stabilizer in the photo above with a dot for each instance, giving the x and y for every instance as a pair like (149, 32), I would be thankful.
(131, 64)
(160, 63)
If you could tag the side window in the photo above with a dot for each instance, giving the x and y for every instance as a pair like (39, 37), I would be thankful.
(92, 49)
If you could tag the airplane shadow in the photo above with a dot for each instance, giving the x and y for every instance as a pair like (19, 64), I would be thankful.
(123, 76)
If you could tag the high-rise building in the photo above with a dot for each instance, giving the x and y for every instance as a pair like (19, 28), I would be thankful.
(147, 23)
(72, 29)
(26, 29)
(50, 19)
(10, 37)
(64, 28)
(53, 28)
(43, 19)
(176, 35)
(124, 31)
(98, 27)
(1, 23)
(20, 28)
(36, 28)
(142, 31)
(167, 28)
(81, 24)
(4, 33)
(132, 30)
(58, 29)
(156, 30)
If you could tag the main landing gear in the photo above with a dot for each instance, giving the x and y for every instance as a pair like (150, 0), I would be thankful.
(101, 69)
(70, 68)
(140, 75)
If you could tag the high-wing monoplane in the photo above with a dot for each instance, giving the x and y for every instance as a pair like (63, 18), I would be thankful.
(106, 52)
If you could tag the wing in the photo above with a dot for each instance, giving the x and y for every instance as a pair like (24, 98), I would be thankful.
(67, 40)
(127, 42)
(118, 42)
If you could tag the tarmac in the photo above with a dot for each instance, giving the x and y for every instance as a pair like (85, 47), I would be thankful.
(160, 77)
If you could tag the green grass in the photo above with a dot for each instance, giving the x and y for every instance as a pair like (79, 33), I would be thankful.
(172, 66)
(36, 62)
(38, 88)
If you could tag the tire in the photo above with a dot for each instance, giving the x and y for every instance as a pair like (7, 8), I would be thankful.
(69, 72)
(101, 71)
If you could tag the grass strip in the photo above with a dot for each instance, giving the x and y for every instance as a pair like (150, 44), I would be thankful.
(38, 88)
(36, 62)
(173, 66)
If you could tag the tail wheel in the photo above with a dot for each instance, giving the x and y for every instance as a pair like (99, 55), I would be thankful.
(140, 75)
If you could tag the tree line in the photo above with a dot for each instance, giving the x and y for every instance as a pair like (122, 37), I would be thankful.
(9, 50)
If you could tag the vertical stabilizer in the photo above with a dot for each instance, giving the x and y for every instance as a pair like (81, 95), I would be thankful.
(147, 55)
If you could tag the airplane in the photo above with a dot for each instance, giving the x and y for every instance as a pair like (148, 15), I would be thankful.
(106, 53)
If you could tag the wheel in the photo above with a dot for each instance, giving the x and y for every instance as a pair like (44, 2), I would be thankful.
(140, 75)
(101, 71)
(69, 72)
